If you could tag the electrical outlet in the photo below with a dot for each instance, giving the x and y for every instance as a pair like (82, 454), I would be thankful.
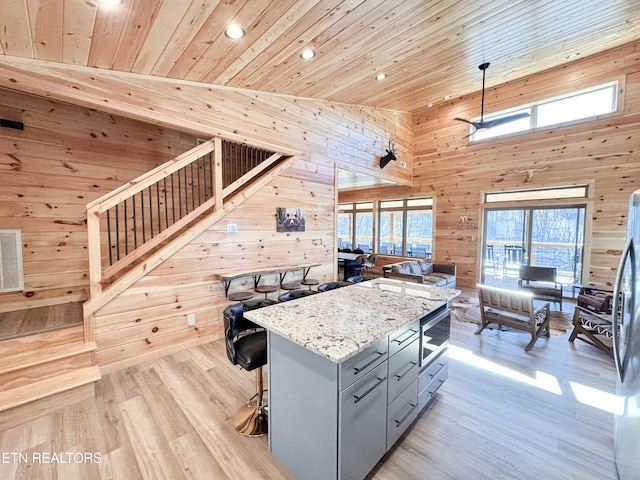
(232, 228)
(191, 319)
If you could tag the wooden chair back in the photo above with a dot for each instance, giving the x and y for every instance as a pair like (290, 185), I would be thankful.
(513, 309)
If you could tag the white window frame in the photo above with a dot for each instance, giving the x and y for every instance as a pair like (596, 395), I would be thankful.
(533, 111)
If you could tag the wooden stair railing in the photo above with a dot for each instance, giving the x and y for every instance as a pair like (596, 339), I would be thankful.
(139, 220)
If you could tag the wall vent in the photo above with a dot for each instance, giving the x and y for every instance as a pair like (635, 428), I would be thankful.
(11, 274)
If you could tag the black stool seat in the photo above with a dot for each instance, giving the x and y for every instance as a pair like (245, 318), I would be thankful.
(356, 279)
(251, 351)
(325, 287)
(294, 294)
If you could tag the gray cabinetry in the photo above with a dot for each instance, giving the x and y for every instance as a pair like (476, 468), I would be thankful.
(431, 378)
(402, 398)
(401, 413)
(363, 424)
(403, 337)
(337, 420)
(359, 365)
(403, 369)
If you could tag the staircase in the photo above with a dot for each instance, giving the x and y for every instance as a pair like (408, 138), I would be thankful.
(44, 371)
(130, 231)
(136, 227)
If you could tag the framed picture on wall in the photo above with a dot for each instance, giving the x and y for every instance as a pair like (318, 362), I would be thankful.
(290, 219)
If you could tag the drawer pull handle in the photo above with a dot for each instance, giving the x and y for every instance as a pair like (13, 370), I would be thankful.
(401, 421)
(411, 332)
(432, 375)
(411, 365)
(441, 381)
(357, 370)
(380, 382)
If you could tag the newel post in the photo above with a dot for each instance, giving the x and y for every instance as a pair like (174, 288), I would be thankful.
(93, 246)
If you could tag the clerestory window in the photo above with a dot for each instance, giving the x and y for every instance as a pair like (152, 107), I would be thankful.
(582, 105)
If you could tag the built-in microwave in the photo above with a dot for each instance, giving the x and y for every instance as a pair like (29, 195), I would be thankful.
(435, 329)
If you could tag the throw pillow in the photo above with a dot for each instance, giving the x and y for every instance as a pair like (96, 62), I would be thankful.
(415, 268)
(427, 268)
(401, 268)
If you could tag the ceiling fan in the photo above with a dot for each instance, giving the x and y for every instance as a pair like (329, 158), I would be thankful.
(484, 125)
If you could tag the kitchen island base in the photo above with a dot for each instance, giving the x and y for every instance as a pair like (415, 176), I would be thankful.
(349, 371)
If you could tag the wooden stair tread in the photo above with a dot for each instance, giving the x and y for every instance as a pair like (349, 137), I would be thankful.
(29, 321)
(18, 361)
(35, 342)
(43, 388)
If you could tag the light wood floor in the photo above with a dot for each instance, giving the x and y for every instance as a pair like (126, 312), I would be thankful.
(170, 419)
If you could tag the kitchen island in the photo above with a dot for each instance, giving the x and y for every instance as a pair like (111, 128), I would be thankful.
(345, 373)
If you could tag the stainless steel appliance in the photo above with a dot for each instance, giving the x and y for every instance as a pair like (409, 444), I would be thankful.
(434, 334)
(626, 347)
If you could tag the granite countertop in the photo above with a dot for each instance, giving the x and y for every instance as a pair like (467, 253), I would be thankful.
(340, 323)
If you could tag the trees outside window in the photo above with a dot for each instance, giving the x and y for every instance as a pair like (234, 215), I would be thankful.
(406, 227)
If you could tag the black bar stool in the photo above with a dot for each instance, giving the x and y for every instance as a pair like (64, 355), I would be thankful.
(325, 287)
(295, 294)
(246, 345)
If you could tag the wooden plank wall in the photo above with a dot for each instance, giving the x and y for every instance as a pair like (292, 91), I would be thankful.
(152, 314)
(149, 318)
(354, 136)
(604, 154)
(65, 157)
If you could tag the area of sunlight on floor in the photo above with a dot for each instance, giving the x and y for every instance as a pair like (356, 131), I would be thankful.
(584, 394)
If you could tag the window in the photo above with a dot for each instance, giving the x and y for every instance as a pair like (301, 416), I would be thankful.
(345, 226)
(406, 227)
(544, 236)
(585, 104)
(576, 191)
(355, 226)
(534, 234)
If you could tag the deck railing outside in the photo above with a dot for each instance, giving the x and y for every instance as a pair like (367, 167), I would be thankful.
(566, 258)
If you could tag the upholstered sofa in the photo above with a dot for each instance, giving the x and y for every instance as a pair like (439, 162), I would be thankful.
(423, 271)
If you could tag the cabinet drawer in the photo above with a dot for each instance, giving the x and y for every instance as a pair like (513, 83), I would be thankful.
(363, 424)
(403, 369)
(403, 336)
(359, 365)
(429, 385)
(427, 375)
(401, 413)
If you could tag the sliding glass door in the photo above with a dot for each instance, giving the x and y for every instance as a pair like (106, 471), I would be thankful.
(536, 236)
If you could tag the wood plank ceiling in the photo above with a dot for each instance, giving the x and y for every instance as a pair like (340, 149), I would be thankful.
(427, 49)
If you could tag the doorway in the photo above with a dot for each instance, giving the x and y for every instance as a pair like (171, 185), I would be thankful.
(534, 236)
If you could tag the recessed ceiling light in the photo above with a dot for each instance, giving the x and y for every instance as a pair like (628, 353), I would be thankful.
(381, 76)
(234, 33)
(573, 55)
(110, 2)
(429, 105)
(307, 54)
(446, 97)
